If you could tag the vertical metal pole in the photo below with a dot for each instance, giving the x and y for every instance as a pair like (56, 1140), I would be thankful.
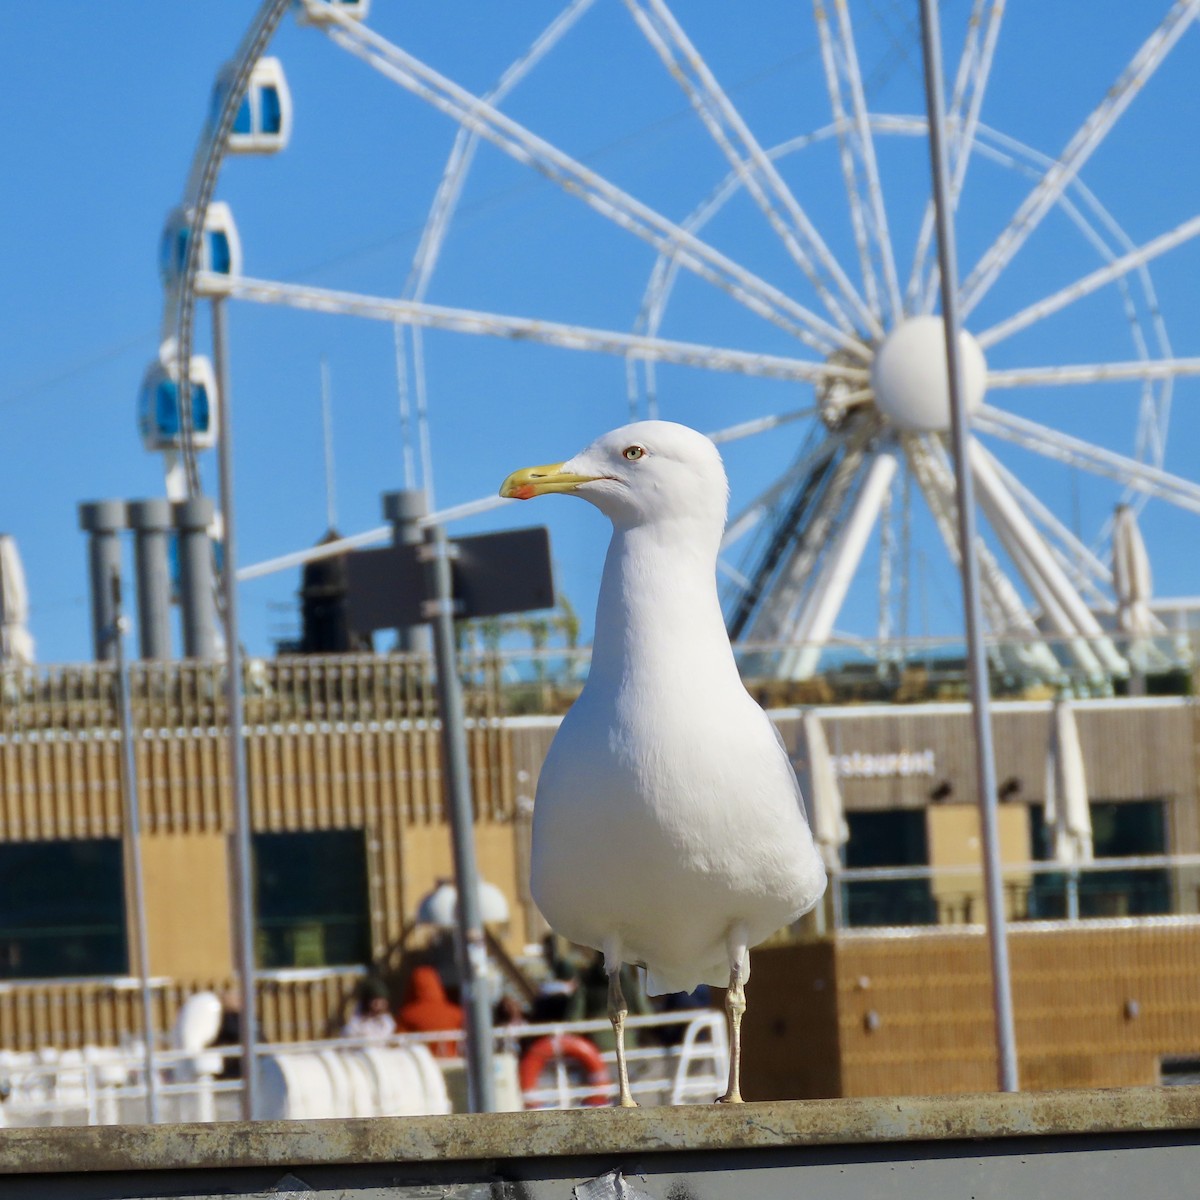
(470, 947)
(133, 831)
(1006, 1042)
(244, 883)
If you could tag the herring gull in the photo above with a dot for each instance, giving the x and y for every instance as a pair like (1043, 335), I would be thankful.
(668, 827)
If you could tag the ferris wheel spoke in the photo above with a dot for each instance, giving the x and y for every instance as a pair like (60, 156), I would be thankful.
(1114, 270)
(1050, 443)
(745, 429)
(550, 333)
(1081, 146)
(601, 195)
(1155, 368)
(465, 143)
(752, 165)
(843, 80)
(962, 118)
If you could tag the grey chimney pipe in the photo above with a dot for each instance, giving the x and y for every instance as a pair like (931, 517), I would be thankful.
(150, 521)
(197, 608)
(103, 520)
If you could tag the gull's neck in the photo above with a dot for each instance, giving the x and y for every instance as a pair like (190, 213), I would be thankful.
(658, 616)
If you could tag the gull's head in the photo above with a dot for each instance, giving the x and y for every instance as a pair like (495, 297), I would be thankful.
(645, 473)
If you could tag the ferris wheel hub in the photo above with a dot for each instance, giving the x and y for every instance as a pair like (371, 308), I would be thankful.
(909, 379)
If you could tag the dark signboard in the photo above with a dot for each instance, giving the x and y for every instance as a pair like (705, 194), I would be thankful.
(494, 573)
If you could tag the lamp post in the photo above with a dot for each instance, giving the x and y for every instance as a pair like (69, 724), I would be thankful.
(985, 762)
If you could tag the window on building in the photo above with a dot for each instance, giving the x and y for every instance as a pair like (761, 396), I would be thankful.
(62, 909)
(895, 838)
(1120, 829)
(311, 899)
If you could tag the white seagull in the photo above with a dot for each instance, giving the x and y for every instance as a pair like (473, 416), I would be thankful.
(668, 826)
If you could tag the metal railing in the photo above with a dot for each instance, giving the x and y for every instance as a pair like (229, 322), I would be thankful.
(674, 1058)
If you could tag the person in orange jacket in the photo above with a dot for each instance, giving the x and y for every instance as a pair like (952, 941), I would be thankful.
(428, 1010)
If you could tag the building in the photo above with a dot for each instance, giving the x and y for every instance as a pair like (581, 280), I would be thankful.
(889, 984)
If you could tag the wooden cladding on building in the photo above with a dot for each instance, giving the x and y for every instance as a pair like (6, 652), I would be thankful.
(1095, 1006)
(98, 1013)
(330, 743)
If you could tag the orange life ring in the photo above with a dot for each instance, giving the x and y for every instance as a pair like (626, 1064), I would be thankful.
(569, 1045)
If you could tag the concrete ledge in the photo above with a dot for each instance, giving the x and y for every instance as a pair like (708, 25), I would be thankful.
(592, 1133)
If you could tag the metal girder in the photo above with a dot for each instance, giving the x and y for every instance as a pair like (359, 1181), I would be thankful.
(1022, 647)
(860, 171)
(1042, 572)
(1132, 261)
(754, 168)
(551, 333)
(970, 84)
(1050, 443)
(801, 536)
(578, 180)
(814, 622)
(1077, 151)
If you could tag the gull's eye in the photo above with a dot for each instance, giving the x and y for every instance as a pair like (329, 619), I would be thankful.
(633, 453)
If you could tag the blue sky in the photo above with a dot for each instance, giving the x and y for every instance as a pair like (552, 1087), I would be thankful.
(102, 108)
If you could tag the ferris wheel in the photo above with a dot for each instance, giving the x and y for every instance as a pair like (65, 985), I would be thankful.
(845, 303)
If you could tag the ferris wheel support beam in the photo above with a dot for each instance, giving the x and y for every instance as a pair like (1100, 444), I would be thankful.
(753, 513)
(1077, 151)
(868, 218)
(970, 84)
(1076, 559)
(1044, 573)
(1050, 443)
(754, 168)
(814, 623)
(1021, 643)
(550, 333)
(1132, 261)
(803, 533)
(602, 196)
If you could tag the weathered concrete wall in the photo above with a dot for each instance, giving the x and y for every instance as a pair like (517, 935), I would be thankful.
(1141, 1142)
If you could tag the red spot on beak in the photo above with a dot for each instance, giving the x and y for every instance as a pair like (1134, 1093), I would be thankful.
(525, 491)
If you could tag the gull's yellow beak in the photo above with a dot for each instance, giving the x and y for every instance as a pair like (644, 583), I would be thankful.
(538, 481)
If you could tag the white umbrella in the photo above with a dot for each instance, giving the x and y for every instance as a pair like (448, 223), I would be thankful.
(1067, 815)
(440, 907)
(1131, 575)
(819, 784)
(16, 642)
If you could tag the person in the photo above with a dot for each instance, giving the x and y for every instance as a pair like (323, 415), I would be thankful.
(428, 1010)
(557, 998)
(372, 1016)
(229, 1033)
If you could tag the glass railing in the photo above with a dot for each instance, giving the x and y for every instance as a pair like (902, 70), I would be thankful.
(1134, 888)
